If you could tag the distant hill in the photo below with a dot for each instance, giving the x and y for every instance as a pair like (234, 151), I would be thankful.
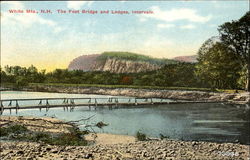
(118, 62)
(191, 59)
(83, 62)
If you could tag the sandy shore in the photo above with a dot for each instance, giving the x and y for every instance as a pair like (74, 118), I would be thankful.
(114, 147)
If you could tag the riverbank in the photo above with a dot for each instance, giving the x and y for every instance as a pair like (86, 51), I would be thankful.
(113, 146)
(206, 96)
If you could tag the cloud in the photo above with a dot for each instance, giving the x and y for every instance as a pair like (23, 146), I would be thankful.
(189, 26)
(177, 14)
(78, 4)
(26, 19)
(165, 25)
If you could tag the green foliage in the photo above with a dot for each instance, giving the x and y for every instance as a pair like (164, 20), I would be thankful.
(134, 57)
(12, 129)
(217, 66)
(141, 136)
(21, 82)
(235, 35)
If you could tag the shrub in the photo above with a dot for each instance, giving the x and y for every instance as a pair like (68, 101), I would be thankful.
(141, 136)
(12, 129)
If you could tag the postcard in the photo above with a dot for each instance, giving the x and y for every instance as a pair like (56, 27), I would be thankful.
(125, 80)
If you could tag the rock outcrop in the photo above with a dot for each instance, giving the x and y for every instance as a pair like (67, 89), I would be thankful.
(124, 66)
(118, 62)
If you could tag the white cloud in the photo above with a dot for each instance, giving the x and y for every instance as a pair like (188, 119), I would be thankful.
(189, 26)
(177, 14)
(78, 4)
(165, 25)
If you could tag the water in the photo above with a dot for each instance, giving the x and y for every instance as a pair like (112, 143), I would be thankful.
(214, 122)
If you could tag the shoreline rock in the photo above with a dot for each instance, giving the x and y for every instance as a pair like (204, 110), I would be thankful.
(238, 98)
(130, 150)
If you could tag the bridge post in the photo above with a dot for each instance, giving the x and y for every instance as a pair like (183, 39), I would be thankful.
(72, 103)
(10, 104)
(17, 105)
(47, 105)
(2, 108)
(95, 103)
(116, 103)
(40, 103)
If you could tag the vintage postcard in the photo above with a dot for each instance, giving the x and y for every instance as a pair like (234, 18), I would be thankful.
(125, 80)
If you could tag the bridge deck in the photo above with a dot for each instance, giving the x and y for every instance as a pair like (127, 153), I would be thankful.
(40, 103)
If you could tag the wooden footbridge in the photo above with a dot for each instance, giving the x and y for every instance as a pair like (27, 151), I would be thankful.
(69, 104)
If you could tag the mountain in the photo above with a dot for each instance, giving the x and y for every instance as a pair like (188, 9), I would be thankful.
(118, 62)
(83, 62)
(191, 59)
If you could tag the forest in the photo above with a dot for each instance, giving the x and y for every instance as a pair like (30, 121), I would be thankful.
(223, 62)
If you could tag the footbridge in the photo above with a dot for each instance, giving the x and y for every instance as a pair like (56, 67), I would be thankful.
(68, 104)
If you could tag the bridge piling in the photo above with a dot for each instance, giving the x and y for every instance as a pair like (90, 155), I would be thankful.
(10, 104)
(2, 108)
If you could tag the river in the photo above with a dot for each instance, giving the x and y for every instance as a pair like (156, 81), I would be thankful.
(214, 122)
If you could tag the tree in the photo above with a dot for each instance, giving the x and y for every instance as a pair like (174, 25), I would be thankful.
(217, 66)
(236, 35)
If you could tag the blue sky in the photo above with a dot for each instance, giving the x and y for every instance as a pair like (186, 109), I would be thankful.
(50, 41)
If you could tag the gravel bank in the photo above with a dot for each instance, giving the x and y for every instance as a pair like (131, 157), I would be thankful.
(149, 150)
(240, 98)
(113, 147)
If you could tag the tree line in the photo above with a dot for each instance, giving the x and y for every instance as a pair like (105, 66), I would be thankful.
(223, 62)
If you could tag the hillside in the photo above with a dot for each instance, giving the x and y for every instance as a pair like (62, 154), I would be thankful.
(118, 62)
(83, 62)
(191, 59)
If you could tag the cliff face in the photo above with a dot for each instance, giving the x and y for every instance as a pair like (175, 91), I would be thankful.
(123, 66)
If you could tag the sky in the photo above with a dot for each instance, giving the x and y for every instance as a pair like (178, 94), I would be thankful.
(52, 40)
